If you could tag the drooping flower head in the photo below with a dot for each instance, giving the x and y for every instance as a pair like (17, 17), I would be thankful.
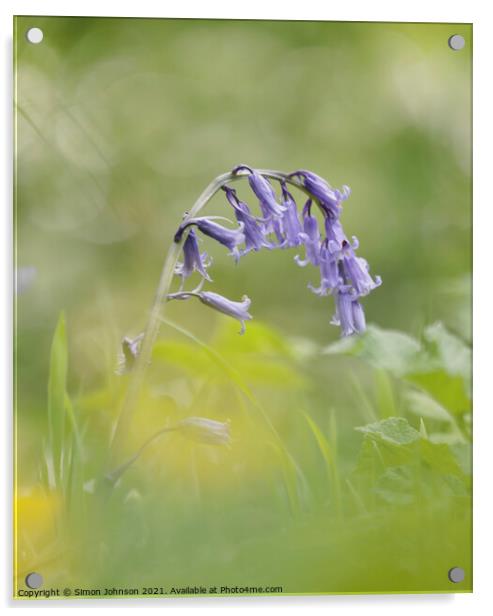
(264, 192)
(290, 222)
(193, 260)
(310, 237)
(357, 271)
(334, 233)
(328, 197)
(236, 310)
(349, 313)
(231, 238)
(329, 271)
(129, 354)
(254, 237)
(343, 275)
(204, 430)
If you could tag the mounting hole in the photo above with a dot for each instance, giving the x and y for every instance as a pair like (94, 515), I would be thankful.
(34, 35)
(456, 575)
(34, 580)
(456, 42)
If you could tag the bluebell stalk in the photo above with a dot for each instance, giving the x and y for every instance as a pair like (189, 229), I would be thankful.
(342, 273)
(236, 310)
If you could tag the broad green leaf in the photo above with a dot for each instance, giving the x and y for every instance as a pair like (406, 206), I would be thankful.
(395, 486)
(454, 354)
(391, 350)
(441, 365)
(440, 458)
(56, 395)
(463, 455)
(261, 370)
(422, 405)
(447, 390)
(186, 356)
(260, 339)
(377, 454)
(394, 430)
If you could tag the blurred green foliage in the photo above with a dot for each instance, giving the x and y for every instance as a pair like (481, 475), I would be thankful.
(349, 466)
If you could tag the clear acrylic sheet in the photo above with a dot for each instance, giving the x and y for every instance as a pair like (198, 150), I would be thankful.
(242, 311)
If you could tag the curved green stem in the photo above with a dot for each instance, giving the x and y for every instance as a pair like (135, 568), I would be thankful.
(160, 299)
(114, 475)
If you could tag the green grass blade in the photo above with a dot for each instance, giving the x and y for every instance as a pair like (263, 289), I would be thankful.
(288, 469)
(385, 395)
(56, 396)
(328, 453)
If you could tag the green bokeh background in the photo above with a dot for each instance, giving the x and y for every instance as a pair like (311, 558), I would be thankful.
(121, 123)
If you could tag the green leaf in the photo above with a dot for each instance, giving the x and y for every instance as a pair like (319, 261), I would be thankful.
(394, 430)
(422, 405)
(389, 442)
(452, 352)
(186, 356)
(395, 486)
(449, 391)
(57, 395)
(260, 370)
(391, 350)
(261, 339)
(440, 458)
(441, 365)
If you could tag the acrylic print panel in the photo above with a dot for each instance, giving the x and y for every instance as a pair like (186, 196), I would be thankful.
(219, 389)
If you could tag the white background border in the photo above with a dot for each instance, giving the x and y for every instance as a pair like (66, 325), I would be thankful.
(475, 11)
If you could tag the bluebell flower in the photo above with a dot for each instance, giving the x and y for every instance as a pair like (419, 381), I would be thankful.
(328, 197)
(357, 271)
(359, 320)
(290, 223)
(193, 260)
(231, 238)
(329, 271)
(130, 352)
(342, 273)
(310, 237)
(277, 229)
(204, 430)
(264, 192)
(349, 313)
(334, 233)
(236, 310)
(254, 237)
